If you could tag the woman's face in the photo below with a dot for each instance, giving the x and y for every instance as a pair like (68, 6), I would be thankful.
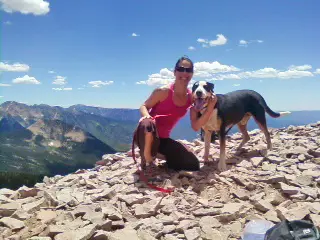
(184, 72)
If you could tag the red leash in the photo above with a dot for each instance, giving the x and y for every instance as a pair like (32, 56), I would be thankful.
(142, 176)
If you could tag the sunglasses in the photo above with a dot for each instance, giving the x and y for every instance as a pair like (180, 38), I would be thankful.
(183, 69)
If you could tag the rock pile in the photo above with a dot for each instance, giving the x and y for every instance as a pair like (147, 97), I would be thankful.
(109, 202)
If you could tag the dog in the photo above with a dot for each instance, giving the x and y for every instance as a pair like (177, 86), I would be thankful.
(233, 108)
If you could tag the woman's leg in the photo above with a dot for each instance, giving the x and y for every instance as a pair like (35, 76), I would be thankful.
(147, 139)
(177, 156)
(148, 147)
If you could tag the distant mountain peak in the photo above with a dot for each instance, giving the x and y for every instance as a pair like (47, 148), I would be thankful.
(13, 104)
(10, 124)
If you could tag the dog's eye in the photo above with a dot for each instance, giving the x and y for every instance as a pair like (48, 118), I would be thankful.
(207, 88)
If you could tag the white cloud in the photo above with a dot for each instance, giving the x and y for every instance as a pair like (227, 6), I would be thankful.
(236, 85)
(191, 48)
(294, 74)
(36, 7)
(267, 73)
(59, 80)
(300, 68)
(245, 43)
(211, 71)
(191, 83)
(261, 73)
(1, 96)
(221, 40)
(80, 88)
(7, 23)
(62, 89)
(97, 84)
(206, 69)
(201, 70)
(16, 67)
(26, 79)
(51, 72)
(135, 35)
(273, 73)
(4, 85)
(164, 77)
(201, 40)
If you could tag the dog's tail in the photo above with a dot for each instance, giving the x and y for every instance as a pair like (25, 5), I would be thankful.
(270, 112)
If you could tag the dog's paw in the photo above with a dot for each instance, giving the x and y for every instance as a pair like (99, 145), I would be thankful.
(222, 167)
(263, 152)
(229, 155)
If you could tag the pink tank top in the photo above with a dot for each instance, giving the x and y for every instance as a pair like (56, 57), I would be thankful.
(165, 124)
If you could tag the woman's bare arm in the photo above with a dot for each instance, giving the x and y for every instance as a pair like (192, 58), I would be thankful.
(158, 95)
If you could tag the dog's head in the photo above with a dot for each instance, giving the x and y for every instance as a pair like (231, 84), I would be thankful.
(201, 91)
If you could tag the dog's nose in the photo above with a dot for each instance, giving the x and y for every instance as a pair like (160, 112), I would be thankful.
(199, 93)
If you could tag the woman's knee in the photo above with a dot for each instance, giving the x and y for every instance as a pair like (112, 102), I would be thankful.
(191, 162)
(148, 125)
(195, 165)
(187, 163)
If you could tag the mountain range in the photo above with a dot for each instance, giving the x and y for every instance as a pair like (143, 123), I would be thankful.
(50, 140)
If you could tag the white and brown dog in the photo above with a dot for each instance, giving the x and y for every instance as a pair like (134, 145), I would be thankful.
(232, 108)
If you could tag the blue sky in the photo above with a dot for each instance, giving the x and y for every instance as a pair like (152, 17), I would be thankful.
(114, 53)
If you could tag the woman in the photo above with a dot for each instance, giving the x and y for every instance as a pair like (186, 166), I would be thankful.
(160, 113)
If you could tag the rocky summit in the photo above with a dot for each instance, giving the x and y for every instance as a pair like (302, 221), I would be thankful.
(110, 202)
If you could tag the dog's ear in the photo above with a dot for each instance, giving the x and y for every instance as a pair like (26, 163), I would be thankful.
(211, 86)
(195, 85)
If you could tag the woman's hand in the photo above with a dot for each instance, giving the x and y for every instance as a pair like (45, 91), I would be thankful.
(145, 117)
(212, 102)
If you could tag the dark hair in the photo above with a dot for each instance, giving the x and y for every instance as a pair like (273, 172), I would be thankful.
(183, 58)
